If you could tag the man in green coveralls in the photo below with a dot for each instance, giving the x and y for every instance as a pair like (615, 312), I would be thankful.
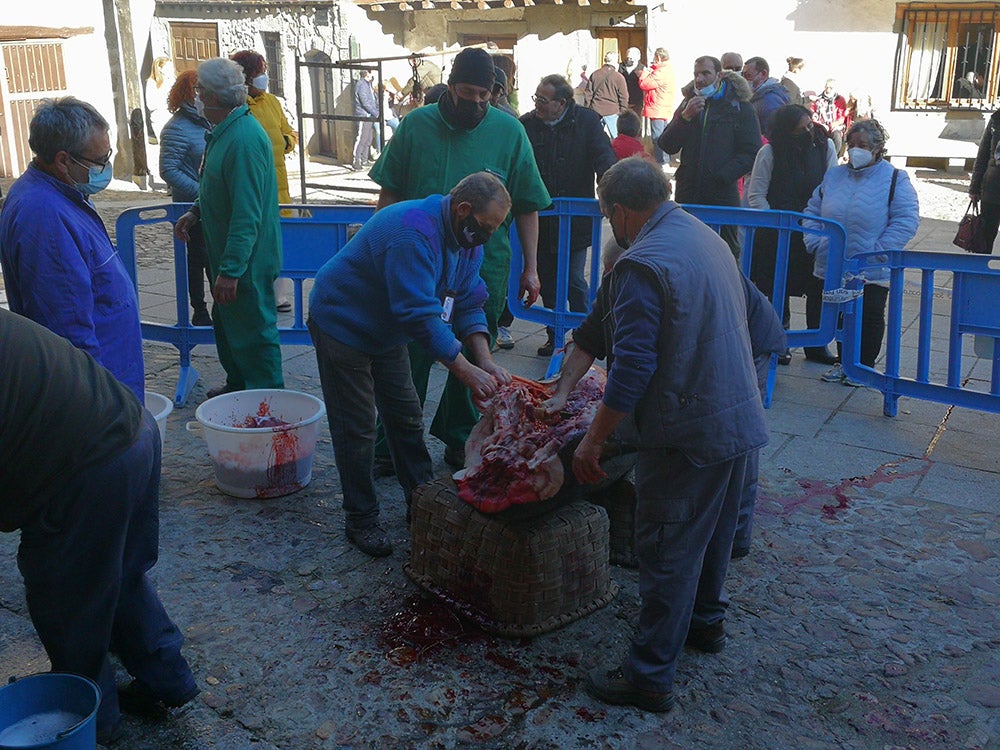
(238, 209)
(434, 147)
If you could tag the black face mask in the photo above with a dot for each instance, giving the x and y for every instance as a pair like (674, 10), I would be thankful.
(465, 115)
(802, 140)
(622, 240)
(471, 233)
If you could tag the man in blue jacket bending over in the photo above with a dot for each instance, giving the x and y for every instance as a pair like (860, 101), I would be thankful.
(410, 274)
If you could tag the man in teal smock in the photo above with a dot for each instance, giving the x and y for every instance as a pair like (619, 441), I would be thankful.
(238, 208)
(434, 147)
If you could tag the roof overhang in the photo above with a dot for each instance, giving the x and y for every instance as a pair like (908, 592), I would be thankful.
(376, 6)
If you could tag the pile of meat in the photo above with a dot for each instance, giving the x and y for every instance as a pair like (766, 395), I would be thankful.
(512, 454)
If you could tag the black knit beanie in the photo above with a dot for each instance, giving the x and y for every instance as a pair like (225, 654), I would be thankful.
(473, 66)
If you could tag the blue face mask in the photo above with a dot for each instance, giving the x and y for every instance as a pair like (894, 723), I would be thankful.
(98, 178)
(708, 90)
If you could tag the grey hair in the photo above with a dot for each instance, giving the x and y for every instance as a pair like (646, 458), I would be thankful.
(635, 183)
(225, 79)
(481, 189)
(878, 134)
(563, 91)
(64, 124)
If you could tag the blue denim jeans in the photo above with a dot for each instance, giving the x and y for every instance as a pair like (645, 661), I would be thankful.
(611, 125)
(685, 518)
(354, 385)
(548, 264)
(656, 128)
(84, 561)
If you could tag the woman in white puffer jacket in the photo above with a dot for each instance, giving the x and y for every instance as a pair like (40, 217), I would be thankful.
(877, 205)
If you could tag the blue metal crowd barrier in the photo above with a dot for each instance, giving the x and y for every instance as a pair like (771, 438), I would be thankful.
(310, 236)
(314, 233)
(974, 311)
(561, 320)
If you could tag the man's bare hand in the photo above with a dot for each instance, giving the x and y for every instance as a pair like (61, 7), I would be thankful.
(500, 374)
(224, 290)
(182, 229)
(695, 106)
(586, 461)
(530, 288)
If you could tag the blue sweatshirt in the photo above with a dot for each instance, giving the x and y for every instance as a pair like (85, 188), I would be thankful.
(388, 285)
(61, 270)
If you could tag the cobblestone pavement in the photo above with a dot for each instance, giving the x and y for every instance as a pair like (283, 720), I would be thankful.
(865, 616)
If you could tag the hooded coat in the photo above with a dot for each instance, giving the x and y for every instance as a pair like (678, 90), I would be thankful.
(767, 99)
(717, 147)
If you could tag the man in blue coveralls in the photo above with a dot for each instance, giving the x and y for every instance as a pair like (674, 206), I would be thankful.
(411, 273)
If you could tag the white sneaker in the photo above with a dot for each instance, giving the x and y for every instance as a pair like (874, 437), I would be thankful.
(504, 339)
(834, 375)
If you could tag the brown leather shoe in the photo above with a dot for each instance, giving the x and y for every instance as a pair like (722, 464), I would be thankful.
(372, 540)
(610, 686)
(710, 640)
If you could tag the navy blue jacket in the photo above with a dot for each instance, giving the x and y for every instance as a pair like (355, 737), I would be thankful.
(683, 364)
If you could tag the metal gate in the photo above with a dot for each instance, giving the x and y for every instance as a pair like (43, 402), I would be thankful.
(325, 118)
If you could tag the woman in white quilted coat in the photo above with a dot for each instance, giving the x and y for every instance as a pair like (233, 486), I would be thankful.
(878, 207)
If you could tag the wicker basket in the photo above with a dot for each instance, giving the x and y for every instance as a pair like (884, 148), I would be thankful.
(515, 579)
(619, 501)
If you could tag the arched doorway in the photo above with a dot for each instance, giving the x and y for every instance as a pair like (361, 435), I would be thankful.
(324, 102)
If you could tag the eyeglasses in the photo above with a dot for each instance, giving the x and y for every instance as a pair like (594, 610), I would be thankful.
(102, 164)
(542, 100)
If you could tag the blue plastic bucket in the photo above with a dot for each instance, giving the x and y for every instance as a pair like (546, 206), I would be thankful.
(50, 710)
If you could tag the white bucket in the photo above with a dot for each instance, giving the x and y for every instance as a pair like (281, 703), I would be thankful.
(160, 407)
(261, 461)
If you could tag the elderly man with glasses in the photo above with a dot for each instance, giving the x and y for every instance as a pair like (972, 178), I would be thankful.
(237, 207)
(60, 267)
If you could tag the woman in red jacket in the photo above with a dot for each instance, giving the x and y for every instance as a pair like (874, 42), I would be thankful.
(657, 83)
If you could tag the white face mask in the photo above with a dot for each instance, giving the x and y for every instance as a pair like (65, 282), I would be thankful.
(199, 105)
(260, 82)
(860, 157)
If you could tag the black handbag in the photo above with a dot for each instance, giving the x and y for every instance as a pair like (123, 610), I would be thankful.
(969, 236)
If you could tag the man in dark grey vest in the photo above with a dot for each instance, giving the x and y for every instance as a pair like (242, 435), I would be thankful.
(683, 376)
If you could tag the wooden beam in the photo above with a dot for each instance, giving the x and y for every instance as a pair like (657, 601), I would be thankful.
(22, 33)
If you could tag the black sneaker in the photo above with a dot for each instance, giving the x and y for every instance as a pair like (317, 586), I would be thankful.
(612, 687)
(383, 467)
(739, 552)
(546, 349)
(138, 700)
(201, 318)
(373, 540)
(710, 640)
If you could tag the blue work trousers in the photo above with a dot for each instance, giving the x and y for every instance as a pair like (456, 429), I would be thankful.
(748, 497)
(685, 518)
(84, 561)
(354, 385)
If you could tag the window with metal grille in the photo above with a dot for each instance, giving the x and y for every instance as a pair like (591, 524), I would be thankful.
(947, 56)
(275, 64)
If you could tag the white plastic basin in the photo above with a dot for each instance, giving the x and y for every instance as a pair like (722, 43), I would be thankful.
(261, 462)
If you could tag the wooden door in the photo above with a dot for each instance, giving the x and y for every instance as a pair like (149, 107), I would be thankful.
(33, 71)
(193, 43)
(324, 102)
(619, 39)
